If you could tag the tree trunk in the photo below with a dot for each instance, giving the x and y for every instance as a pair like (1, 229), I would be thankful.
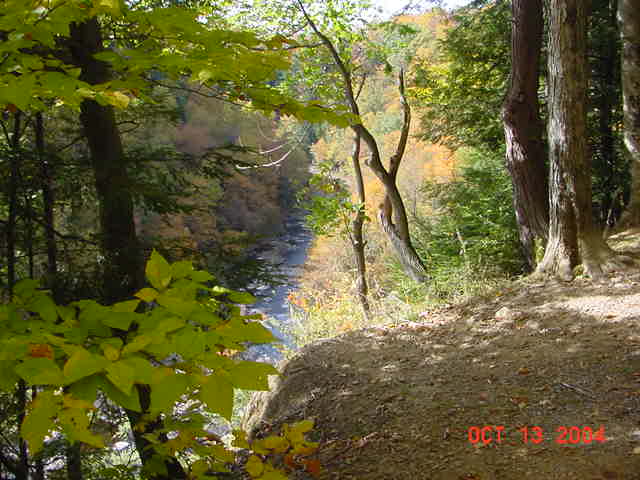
(123, 264)
(48, 200)
(357, 236)
(12, 197)
(573, 233)
(523, 127)
(392, 214)
(629, 19)
(74, 461)
(123, 267)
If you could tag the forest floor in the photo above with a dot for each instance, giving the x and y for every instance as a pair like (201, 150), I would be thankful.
(557, 362)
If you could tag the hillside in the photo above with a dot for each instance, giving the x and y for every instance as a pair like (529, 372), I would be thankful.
(397, 402)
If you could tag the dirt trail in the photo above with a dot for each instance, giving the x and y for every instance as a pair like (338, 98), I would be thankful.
(535, 358)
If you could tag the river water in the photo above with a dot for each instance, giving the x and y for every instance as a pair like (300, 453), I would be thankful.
(290, 251)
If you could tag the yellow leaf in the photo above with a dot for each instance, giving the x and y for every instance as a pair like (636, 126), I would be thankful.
(111, 353)
(276, 444)
(113, 7)
(69, 401)
(254, 466)
(147, 294)
(307, 448)
(117, 99)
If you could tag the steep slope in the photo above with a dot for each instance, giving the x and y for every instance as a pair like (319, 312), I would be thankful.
(399, 402)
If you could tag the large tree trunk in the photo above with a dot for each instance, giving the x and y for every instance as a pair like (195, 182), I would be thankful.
(573, 233)
(523, 127)
(123, 264)
(357, 236)
(629, 18)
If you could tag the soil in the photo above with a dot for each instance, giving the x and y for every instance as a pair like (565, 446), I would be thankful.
(556, 362)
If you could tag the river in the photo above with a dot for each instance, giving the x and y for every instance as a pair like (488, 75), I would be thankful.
(290, 251)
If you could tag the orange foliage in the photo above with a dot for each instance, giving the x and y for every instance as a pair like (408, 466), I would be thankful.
(40, 350)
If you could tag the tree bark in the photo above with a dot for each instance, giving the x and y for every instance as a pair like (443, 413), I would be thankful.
(123, 267)
(523, 127)
(357, 236)
(123, 264)
(573, 234)
(629, 20)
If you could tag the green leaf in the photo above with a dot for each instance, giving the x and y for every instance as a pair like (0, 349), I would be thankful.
(181, 269)
(40, 419)
(128, 306)
(18, 91)
(147, 294)
(201, 276)
(121, 375)
(204, 316)
(67, 314)
(87, 388)
(189, 343)
(26, 288)
(242, 297)
(111, 348)
(44, 306)
(91, 316)
(142, 369)
(13, 348)
(40, 371)
(217, 394)
(82, 364)
(130, 402)
(239, 331)
(167, 392)
(252, 375)
(158, 271)
(75, 423)
(8, 377)
(137, 344)
(168, 325)
(176, 305)
(120, 320)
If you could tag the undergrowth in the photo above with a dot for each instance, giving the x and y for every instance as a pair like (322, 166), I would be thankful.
(326, 305)
(465, 231)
